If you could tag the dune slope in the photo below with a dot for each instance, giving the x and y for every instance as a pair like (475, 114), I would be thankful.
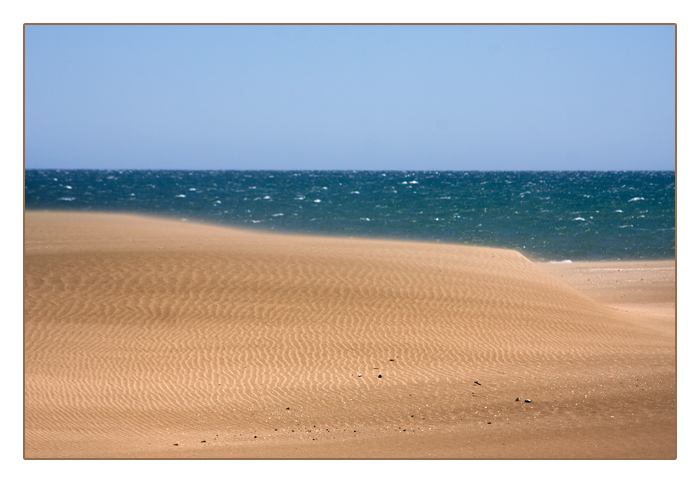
(159, 338)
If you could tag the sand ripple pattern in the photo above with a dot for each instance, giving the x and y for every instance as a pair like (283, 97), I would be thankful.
(167, 324)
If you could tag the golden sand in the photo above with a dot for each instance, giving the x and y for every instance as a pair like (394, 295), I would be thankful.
(153, 338)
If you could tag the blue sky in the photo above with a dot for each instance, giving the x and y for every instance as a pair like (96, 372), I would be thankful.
(350, 97)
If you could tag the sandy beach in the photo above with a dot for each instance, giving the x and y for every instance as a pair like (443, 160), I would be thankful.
(155, 338)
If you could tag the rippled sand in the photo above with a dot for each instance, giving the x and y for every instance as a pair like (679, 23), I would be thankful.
(153, 338)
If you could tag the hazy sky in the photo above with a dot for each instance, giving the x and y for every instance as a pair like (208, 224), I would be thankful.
(350, 97)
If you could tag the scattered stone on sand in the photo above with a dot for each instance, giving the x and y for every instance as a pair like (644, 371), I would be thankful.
(175, 444)
(517, 399)
(391, 360)
(528, 400)
(477, 383)
(204, 441)
(379, 376)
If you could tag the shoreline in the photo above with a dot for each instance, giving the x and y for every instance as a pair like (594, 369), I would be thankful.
(152, 338)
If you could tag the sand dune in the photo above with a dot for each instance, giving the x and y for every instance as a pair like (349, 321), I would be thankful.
(159, 338)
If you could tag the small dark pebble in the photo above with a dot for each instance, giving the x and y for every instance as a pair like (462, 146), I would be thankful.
(517, 399)
(392, 360)
(477, 383)
(204, 441)
(489, 422)
(174, 444)
(287, 409)
(528, 400)
(254, 436)
(379, 376)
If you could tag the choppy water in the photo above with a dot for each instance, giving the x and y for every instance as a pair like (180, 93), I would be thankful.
(546, 215)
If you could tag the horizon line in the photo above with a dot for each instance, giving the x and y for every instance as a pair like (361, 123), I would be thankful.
(368, 170)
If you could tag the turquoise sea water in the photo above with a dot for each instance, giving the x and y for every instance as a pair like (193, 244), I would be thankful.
(546, 215)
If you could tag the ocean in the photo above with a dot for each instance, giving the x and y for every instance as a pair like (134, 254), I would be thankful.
(547, 216)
